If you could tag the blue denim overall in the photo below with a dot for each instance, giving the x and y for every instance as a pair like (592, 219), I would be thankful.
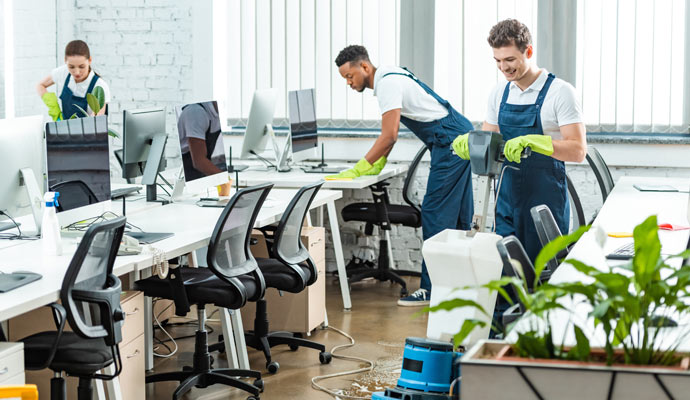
(69, 99)
(448, 202)
(539, 180)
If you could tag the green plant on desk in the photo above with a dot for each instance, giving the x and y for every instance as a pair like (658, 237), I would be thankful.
(631, 303)
(96, 101)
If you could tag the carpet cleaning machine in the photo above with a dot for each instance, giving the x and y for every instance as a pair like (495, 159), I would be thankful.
(455, 259)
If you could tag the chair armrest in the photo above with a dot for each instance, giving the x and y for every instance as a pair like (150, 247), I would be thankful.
(110, 315)
(59, 317)
(182, 306)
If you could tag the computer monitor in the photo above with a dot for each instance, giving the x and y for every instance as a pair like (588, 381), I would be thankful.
(21, 147)
(143, 143)
(78, 166)
(303, 136)
(201, 146)
(260, 123)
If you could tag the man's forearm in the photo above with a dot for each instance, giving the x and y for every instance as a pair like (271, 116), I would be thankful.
(382, 147)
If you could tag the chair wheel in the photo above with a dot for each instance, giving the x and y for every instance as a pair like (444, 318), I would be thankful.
(325, 357)
(403, 292)
(253, 398)
(293, 347)
(272, 367)
(259, 383)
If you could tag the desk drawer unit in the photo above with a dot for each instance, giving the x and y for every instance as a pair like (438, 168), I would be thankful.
(11, 363)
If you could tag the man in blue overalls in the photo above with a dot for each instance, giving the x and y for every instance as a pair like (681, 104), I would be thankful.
(534, 109)
(404, 98)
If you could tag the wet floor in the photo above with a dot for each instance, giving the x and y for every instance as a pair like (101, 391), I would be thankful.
(377, 324)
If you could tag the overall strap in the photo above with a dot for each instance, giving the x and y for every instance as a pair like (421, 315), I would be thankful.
(422, 84)
(92, 84)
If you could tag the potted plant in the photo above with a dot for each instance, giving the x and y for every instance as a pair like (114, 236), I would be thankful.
(631, 309)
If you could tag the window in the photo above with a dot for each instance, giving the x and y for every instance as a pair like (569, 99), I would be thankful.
(292, 44)
(464, 68)
(631, 68)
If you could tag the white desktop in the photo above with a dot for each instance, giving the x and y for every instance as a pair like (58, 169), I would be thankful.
(22, 173)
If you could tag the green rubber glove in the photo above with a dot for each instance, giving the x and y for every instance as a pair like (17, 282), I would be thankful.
(377, 166)
(358, 170)
(50, 100)
(461, 146)
(539, 143)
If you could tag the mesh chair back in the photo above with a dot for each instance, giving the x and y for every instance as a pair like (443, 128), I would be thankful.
(228, 251)
(287, 245)
(547, 230)
(90, 292)
(510, 248)
(409, 188)
(601, 171)
(73, 194)
(576, 210)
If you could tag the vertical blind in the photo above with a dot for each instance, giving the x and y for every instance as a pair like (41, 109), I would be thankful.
(292, 44)
(631, 68)
(464, 68)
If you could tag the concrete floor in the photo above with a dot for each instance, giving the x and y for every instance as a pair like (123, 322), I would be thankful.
(377, 324)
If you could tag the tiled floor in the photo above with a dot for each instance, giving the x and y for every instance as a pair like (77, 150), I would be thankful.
(377, 324)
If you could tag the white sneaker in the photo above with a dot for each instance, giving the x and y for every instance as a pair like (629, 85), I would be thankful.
(419, 298)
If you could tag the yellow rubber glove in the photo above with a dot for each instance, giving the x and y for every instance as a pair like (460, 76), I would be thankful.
(377, 166)
(50, 100)
(539, 143)
(461, 146)
(358, 170)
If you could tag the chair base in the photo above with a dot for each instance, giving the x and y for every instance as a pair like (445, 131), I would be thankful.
(383, 272)
(272, 339)
(201, 375)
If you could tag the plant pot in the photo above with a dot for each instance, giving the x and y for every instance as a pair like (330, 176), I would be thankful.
(485, 376)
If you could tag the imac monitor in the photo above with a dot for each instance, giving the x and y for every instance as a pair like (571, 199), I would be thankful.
(303, 136)
(78, 164)
(259, 125)
(143, 143)
(21, 148)
(201, 146)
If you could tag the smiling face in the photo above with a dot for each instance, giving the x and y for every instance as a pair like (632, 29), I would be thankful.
(357, 74)
(513, 63)
(79, 67)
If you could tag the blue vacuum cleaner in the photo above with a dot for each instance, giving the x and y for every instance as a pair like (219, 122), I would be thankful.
(429, 368)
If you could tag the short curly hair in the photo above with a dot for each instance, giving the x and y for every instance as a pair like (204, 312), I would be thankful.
(509, 32)
(351, 54)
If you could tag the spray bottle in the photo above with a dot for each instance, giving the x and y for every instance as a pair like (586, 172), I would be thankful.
(50, 227)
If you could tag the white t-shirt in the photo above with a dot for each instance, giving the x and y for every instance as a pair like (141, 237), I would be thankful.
(560, 107)
(194, 121)
(397, 91)
(59, 75)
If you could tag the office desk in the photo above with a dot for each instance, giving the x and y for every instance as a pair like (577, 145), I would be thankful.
(192, 226)
(297, 178)
(625, 208)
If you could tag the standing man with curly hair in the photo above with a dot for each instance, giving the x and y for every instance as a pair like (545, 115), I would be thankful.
(404, 98)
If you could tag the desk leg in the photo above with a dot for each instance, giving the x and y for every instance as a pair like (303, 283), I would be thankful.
(240, 344)
(112, 386)
(228, 338)
(339, 259)
(391, 262)
(148, 333)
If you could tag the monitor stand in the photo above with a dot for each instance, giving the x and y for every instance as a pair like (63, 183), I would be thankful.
(8, 225)
(281, 156)
(34, 193)
(152, 165)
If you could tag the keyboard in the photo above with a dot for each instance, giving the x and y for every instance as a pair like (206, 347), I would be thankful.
(149, 237)
(122, 192)
(624, 252)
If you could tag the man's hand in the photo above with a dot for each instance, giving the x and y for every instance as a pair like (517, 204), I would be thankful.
(361, 168)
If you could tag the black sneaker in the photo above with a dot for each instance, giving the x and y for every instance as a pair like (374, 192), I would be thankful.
(419, 298)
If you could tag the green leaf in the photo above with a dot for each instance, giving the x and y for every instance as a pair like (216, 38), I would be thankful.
(113, 133)
(74, 116)
(449, 305)
(554, 247)
(530, 345)
(100, 96)
(647, 251)
(467, 327)
(581, 350)
(93, 103)
(82, 110)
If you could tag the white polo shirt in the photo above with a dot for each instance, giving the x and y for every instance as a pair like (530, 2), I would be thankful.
(59, 75)
(397, 91)
(561, 106)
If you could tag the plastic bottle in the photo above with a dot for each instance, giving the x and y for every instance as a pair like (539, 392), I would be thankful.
(50, 227)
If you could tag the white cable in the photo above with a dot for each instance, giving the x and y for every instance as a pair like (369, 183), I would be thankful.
(343, 373)
(155, 317)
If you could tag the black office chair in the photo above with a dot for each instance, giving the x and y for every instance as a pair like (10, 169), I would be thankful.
(89, 287)
(231, 279)
(73, 194)
(289, 269)
(601, 171)
(510, 249)
(547, 230)
(382, 214)
(575, 206)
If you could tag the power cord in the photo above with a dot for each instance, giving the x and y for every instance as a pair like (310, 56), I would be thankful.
(15, 236)
(331, 392)
(84, 225)
(265, 161)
